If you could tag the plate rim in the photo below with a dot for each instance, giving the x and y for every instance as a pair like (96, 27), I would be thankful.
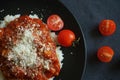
(83, 37)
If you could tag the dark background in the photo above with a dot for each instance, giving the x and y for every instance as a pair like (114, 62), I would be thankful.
(89, 13)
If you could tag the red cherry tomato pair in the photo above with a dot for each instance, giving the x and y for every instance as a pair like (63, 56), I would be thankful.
(65, 37)
(106, 28)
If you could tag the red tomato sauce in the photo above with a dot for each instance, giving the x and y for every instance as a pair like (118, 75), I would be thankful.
(11, 36)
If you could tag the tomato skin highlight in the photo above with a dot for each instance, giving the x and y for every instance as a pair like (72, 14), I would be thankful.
(105, 54)
(66, 38)
(107, 27)
(55, 23)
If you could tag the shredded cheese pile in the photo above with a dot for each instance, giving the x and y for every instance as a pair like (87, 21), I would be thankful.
(24, 53)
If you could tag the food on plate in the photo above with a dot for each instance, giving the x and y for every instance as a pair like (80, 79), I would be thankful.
(55, 23)
(105, 54)
(1, 32)
(107, 27)
(28, 52)
(66, 38)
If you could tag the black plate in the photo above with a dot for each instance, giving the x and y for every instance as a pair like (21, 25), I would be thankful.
(74, 57)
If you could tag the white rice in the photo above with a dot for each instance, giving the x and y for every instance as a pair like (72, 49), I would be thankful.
(33, 16)
(9, 18)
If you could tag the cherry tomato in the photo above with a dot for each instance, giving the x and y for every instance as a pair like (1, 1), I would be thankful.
(105, 54)
(55, 23)
(107, 27)
(66, 37)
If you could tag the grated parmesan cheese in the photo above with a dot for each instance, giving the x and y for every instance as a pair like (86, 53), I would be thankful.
(24, 53)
